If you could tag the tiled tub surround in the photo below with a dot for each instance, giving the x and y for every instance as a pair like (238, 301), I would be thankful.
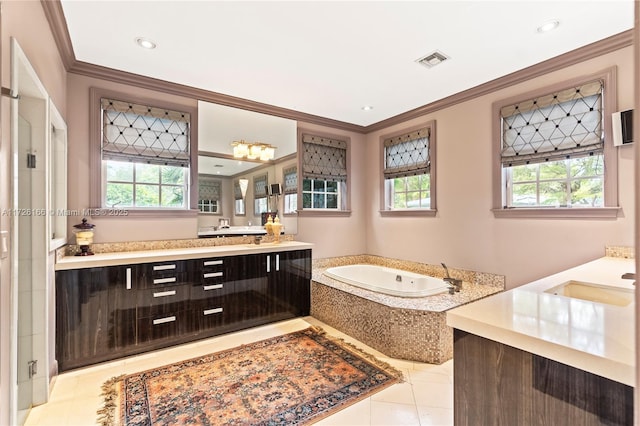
(414, 329)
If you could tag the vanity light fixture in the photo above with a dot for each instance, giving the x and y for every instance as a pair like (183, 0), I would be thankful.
(548, 26)
(145, 43)
(253, 151)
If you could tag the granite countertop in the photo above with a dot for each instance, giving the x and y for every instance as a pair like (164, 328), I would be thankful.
(146, 256)
(591, 336)
(434, 303)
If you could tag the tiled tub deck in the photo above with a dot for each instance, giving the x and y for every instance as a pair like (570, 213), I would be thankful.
(414, 329)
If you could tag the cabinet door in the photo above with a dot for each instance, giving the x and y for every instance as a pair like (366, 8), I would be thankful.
(249, 302)
(289, 283)
(122, 291)
(95, 319)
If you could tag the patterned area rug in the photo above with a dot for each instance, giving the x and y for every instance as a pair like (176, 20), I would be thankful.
(293, 379)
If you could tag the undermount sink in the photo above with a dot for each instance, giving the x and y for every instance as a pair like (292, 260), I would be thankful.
(594, 293)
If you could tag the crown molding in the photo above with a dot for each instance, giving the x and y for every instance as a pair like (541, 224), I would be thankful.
(55, 15)
(57, 22)
(573, 57)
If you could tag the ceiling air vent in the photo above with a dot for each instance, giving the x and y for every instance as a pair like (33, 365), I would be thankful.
(432, 59)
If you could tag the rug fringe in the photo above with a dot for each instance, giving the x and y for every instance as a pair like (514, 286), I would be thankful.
(388, 368)
(107, 414)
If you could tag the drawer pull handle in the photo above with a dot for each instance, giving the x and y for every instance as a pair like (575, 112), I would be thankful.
(164, 320)
(268, 263)
(213, 262)
(128, 278)
(165, 280)
(164, 267)
(212, 311)
(212, 287)
(164, 293)
(277, 262)
(213, 274)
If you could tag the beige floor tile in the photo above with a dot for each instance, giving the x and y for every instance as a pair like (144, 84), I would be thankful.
(76, 395)
(392, 414)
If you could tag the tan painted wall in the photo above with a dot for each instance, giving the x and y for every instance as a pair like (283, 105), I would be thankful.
(26, 22)
(464, 234)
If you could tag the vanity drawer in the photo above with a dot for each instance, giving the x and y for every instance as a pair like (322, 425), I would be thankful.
(165, 326)
(210, 314)
(203, 291)
(173, 279)
(165, 300)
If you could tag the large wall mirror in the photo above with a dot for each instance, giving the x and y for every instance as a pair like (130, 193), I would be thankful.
(269, 183)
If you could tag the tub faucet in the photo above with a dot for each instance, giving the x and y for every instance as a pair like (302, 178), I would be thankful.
(629, 276)
(454, 283)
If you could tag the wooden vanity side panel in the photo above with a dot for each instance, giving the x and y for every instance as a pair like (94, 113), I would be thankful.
(489, 380)
(496, 384)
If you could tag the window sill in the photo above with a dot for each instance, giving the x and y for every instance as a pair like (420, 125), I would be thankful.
(143, 213)
(558, 213)
(409, 213)
(323, 213)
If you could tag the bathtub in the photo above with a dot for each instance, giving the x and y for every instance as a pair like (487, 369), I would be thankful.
(393, 282)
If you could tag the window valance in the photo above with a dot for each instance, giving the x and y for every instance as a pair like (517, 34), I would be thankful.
(324, 158)
(407, 154)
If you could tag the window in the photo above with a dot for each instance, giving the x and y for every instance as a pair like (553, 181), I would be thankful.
(140, 185)
(209, 194)
(290, 179)
(555, 150)
(408, 171)
(324, 173)
(145, 156)
(260, 194)
(239, 208)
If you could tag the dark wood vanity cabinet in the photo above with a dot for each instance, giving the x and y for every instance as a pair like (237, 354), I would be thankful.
(108, 312)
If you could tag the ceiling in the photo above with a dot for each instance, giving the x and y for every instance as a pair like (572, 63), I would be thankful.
(331, 58)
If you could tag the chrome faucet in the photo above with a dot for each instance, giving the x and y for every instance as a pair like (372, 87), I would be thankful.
(629, 276)
(454, 283)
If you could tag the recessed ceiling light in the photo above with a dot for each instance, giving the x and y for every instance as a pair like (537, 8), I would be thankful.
(432, 59)
(145, 43)
(367, 108)
(548, 26)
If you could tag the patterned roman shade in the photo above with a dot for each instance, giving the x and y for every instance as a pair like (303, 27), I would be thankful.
(564, 124)
(324, 158)
(260, 186)
(407, 154)
(139, 133)
(290, 180)
(209, 188)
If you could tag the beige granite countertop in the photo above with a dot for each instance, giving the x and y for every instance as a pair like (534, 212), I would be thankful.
(146, 256)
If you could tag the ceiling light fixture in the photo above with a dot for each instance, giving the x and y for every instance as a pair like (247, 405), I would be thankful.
(548, 26)
(253, 151)
(367, 108)
(145, 43)
(432, 59)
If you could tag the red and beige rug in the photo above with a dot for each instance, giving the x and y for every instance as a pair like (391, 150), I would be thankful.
(293, 379)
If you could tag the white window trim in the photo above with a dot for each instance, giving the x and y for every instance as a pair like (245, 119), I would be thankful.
(420, 212)
(96, 189)
(611, 208)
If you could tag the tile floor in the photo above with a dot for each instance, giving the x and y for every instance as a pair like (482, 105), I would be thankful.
(425, 397)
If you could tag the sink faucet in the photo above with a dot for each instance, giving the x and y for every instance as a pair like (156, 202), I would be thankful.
(454, 283)
(629, 276)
